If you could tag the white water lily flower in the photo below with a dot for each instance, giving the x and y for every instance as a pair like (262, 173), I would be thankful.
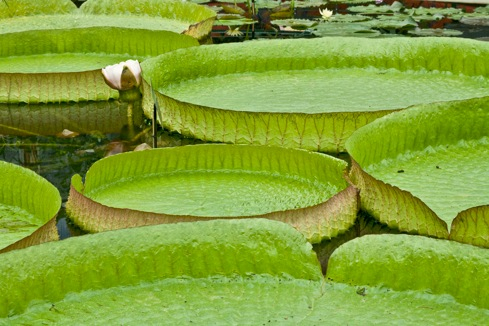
(123, 76)
(326, 13)
(234, 32)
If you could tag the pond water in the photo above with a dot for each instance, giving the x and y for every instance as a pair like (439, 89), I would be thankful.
(60, 140)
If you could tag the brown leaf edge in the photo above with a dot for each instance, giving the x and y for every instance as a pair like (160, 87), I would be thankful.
(47, 232)
(395, 207)
(471, 226)
(314, 221)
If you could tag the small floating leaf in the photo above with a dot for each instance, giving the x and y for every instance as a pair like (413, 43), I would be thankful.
(435, 32)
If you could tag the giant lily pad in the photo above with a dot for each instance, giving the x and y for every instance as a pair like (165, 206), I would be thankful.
(11, 8)
(307, 93)
(57, 58)
(211, 181)
(218, 272)
(28, 208)
(432, 160)
(404, 262)
(219, 249)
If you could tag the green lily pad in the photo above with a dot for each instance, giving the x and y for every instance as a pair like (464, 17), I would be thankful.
(334, 28)
(373, 9)
(234, 22)
(199, 19)
(347, 18)
(67, 51)
(443, 160)
(406, 262)
(11, 8)
(207, 250)
(68, 61)
(28, 208)
(202, 182)
(475, 20)
(482, 10)
(219, 272)
(291, 93)
(398, 22)
(299, 24)
(435, 32)
(448, 12)
(349, 2)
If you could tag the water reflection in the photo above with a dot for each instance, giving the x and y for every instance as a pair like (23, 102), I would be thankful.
(60, 140)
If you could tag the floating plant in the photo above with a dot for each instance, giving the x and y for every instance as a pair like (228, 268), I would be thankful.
(344, 29)
(28, 208)
(236, 272)
(403, 262)
(413, 171)
(202, 182)
(67, 51)
(435, 32)
(299, 24)
(372, 9)
(309, 94)
(437, 168)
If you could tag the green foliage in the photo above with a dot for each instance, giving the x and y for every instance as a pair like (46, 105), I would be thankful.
(17, 8)
(27, 202)
(403, 262)
(442, 161)
(236, 248)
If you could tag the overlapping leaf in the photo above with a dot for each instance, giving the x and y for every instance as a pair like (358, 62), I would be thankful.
(442, 161)
(404, 262)
(219, 272)
(472, 226)
(28, 208)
